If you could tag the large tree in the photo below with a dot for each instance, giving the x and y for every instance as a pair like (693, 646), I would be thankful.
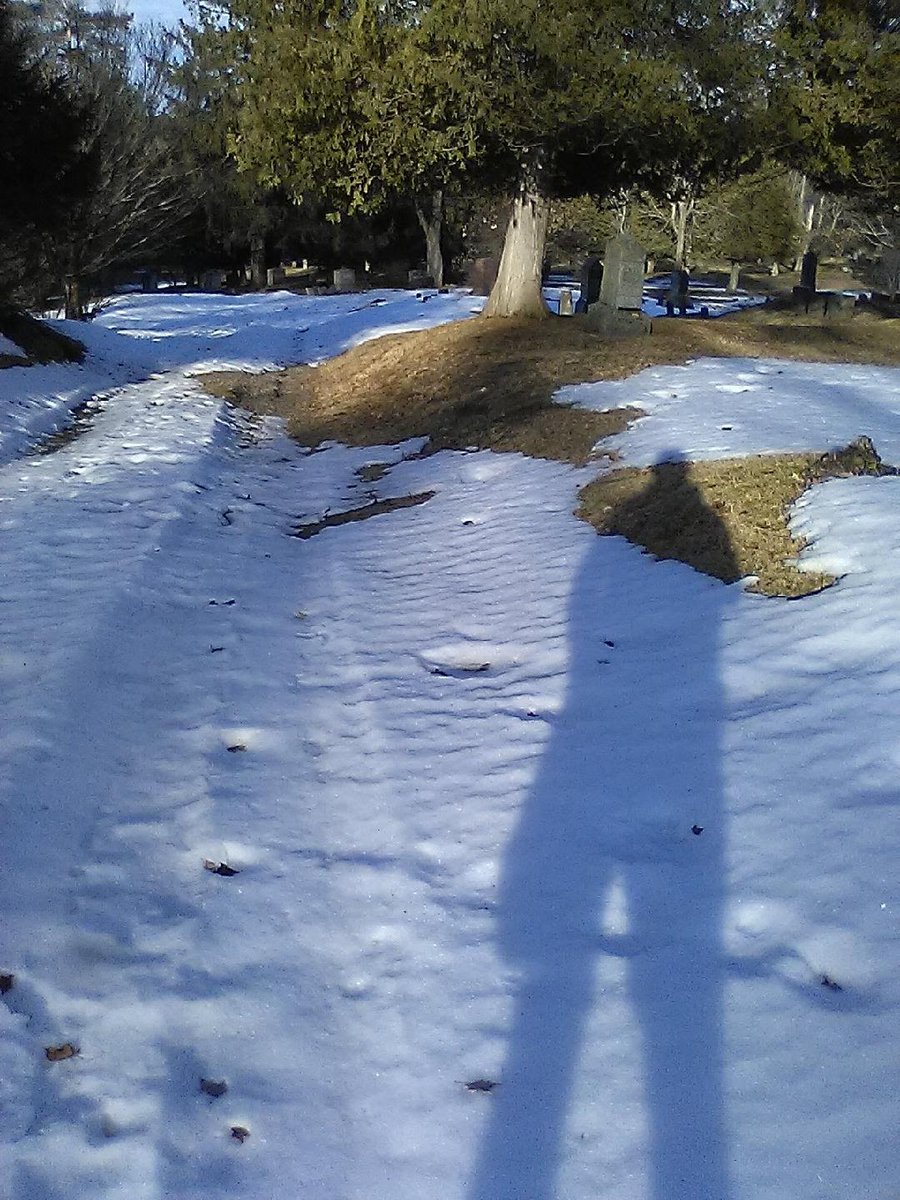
(118, 72)
(837, 94)
(342, 103)
(44, 166)
(366, 100)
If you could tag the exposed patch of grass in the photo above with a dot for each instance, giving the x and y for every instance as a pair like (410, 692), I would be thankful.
(727, 518)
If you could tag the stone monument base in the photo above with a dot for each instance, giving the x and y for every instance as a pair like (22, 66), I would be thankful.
(615, 322)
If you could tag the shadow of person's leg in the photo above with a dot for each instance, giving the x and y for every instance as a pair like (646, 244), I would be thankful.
(521, 1150)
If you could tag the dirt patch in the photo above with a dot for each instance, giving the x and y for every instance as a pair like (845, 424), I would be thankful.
(727, 518)
(372, 509)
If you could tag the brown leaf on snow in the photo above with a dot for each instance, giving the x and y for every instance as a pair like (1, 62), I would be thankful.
(481, 1085)
(240, 1133)
(6, 982)
(59, 1053)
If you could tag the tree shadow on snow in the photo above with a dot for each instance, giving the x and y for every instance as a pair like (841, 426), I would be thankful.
(611, 897)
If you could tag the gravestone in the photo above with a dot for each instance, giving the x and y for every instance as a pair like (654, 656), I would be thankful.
(274, 276)
(622, 283)
(591, 278)
(839, 307)
(344, 279)
(808, 267)
(805, 291)
(213, 281)
(888, 272)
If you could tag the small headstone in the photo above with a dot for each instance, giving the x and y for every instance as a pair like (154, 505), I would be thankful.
(274, 276)
(566, 305)
(149, 281)
(839, 307)
(622, 284)
(344, 279)
(888, 272)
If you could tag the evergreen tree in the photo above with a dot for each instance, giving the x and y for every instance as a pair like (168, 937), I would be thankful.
(44, 168)
(751, 218)
(368, 100)
(838, 96)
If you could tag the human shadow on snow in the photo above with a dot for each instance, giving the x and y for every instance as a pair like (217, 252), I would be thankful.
(612, 892)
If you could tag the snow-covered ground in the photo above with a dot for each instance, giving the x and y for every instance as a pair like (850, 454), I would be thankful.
(458, 755)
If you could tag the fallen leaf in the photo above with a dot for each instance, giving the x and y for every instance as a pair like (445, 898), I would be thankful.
(59, 1053)
(6, 982)
(239, 1133)
(696, 830)
(214, 1087)
(237, 748)
(831, 984)
(481, 1085)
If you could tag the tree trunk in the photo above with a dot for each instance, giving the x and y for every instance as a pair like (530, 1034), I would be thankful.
(432, 223)
(806, 213)
(517, 292)
(682, 211)
(74, 305)
(258, 260)
(734, 277)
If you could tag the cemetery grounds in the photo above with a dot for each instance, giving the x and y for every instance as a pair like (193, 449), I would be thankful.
(374, 828)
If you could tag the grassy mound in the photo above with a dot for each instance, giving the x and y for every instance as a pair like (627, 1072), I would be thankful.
(727, 518)
(41, 343)
(489, 384)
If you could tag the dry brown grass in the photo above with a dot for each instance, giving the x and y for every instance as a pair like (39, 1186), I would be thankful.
(490, 383)
(726, 518)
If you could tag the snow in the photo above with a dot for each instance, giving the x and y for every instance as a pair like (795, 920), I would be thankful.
(455, 753)
(10, 349)
(721, 408)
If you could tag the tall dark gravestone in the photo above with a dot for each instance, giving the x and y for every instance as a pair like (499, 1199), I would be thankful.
(591, 278)
(808, 268)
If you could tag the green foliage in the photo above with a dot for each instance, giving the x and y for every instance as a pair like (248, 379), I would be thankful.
(838, 96)
(367, 100)
(754, 217)
(578, 227)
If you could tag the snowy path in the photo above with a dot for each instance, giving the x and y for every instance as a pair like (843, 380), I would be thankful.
(455, 754)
